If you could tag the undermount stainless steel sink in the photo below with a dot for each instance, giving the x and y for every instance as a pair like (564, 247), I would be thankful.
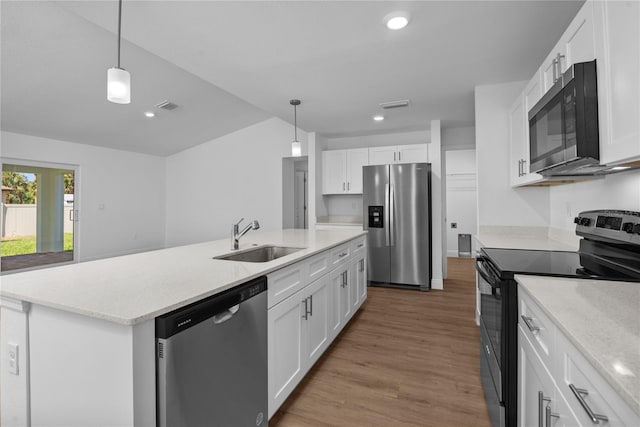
(260, 254)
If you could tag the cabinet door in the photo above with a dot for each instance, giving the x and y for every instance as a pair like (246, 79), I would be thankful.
(346, 304)
(382, 155)
(317, 320)
(416, 153)
(358, 282)
(286, 347)
(618, 56)
(356, 159)
(516, 140)
(334, 166)
(533, 379)
(578, 39)
(338, 279)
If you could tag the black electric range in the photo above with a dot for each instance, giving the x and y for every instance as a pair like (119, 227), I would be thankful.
(609, 250)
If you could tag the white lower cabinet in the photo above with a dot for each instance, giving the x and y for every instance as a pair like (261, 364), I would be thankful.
(303, 325)
(549, 363)
(285, 349)
(341, 306)
(540, 403)
(358, 287)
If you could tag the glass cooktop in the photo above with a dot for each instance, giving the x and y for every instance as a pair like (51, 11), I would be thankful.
(508, 262)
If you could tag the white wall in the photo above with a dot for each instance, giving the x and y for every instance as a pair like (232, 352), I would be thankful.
(617, 191)
(461, 196)
(213, 185)
(498, 203)
(128, 186)
(438, 207)
(379, 140)
(459, 138)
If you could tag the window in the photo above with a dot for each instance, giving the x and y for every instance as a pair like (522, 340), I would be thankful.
(39, 215)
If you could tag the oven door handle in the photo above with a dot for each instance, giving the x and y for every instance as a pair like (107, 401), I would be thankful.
(490, 278)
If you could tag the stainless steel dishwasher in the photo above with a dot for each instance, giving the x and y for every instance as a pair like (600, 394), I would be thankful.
(211, 361)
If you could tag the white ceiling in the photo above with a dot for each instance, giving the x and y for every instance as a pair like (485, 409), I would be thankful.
(229, 64)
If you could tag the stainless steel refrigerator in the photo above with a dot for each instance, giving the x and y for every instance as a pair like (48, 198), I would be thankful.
(397, 215)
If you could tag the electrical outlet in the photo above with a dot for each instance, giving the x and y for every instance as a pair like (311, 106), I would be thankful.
(13, 358)
(454, 225)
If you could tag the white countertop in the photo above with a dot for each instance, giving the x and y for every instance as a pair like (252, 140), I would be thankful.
(602, 319)
(340, 220)
(537, 238)
(133, 288)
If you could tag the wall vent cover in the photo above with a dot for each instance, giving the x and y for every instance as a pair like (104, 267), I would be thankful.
(394, 104)
(167, 105)
(160, 350)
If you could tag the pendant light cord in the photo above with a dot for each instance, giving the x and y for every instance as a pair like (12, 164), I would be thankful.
(295, 123)
(119, 28)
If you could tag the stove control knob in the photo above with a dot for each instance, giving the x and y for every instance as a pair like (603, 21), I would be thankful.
(627, 227)
(576, 220)
(585, 221)
(636, 228)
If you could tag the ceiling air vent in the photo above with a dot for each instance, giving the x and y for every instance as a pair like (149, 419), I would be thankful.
(394, 104)
(167, 105)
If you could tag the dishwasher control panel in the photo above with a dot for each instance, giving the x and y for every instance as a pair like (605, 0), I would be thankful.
(190, 315)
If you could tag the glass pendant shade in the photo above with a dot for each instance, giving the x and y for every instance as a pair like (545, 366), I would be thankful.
(118, 86)
(296, 149)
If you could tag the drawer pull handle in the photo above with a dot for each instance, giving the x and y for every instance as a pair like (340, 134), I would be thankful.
(578, 392)
(487, 348)
(529, 322)
(344, 254)
(548, 414)
(361, 245)
(541, 400)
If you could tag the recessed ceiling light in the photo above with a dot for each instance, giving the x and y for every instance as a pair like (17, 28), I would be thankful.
(378, 118)
(149, 114)
(396, 21)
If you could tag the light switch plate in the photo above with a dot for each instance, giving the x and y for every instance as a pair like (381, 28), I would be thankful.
(13, 358)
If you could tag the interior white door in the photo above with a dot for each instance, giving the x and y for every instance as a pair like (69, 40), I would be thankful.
(300, 200)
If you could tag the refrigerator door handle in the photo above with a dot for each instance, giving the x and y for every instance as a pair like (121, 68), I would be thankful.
(387, 222)
(392, 219)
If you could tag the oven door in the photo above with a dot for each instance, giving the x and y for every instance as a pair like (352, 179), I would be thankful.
(489, 286)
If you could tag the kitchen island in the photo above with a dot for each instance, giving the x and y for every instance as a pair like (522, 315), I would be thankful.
(85, 333)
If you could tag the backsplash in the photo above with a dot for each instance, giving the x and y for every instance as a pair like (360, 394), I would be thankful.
(617, 191)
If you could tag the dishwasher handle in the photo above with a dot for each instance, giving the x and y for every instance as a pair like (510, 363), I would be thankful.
(226, 315)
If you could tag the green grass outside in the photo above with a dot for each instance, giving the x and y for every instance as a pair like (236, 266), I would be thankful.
(27, 245)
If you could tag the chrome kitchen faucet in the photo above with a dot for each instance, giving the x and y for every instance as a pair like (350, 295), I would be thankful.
(235, 235)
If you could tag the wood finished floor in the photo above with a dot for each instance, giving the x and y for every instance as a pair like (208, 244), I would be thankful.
(408, 358)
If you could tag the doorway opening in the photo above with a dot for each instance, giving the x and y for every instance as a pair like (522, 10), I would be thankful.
(38, 215)
(295, 189)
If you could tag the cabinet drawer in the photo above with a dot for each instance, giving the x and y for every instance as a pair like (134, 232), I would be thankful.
(538, 328)
(359, 245)
(319, 265)
(596, 393)
(287, 281)
(340, 254)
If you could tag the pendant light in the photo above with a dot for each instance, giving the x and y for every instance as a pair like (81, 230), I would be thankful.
(296, 148)
(119, 79)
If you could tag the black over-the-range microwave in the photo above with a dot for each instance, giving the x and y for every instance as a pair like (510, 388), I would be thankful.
(563, 125)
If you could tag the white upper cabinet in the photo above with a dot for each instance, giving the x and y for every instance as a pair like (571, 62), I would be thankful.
(414, 153)
(576, 45)
(342, 171)
(617, 32)
(383, 155)
(519, 134)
